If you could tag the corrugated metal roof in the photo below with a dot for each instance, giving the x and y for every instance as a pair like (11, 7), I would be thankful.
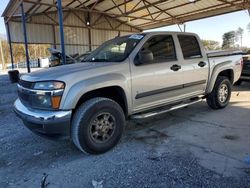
(88, 23)
(140, 14)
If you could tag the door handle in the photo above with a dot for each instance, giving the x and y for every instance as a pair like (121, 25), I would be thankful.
(202, 64)
(175, 67)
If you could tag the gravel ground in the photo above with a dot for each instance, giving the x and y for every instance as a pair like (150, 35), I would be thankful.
(150, 154)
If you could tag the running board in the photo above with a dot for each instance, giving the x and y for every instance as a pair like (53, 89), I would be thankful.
(164, 110)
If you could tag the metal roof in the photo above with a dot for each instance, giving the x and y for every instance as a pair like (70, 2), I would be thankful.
(139, 14)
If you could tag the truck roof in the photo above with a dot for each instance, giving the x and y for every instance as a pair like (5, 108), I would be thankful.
(169, 32)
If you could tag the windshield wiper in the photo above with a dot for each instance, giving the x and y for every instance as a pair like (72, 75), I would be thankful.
(99, 60)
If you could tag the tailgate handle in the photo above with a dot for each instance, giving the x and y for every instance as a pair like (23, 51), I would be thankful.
(175, 67)
(202, 64)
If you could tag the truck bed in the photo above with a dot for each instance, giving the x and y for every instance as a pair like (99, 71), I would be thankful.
(221, 53)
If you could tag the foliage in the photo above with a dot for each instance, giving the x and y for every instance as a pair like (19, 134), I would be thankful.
(239, 35)
(229, 39)
(35, 51)
(211, 44)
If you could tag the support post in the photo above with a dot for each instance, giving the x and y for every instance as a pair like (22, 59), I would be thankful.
(90, 43)
(89, 31)
(25, 38)
(60, 17)
(54, 36)
(10, 45)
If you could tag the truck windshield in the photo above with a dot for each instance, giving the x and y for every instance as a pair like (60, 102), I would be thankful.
(115, 50)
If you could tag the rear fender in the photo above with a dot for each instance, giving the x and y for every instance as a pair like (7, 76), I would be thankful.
(227, 65)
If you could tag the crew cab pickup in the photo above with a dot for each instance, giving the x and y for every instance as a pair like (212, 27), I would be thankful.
(129, 77)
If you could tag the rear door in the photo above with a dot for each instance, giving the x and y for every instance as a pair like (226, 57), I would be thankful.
(155, 83)
(194, 63)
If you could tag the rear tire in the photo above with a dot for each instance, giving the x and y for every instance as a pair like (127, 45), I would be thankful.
(97, 125)
(221, 93)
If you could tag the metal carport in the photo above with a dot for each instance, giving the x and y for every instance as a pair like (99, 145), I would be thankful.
(77, 26)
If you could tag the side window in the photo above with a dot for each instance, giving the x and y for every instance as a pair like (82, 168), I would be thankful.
(162, 48)
(189, 46)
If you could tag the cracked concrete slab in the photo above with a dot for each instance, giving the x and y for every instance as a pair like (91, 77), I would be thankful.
(190, 147)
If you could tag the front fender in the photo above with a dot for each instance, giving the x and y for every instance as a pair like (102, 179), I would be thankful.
(69, 101)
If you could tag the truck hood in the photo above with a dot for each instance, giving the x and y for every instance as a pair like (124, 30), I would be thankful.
(57, 73)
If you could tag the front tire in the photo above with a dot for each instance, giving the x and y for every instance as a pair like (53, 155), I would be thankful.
(97, 125)
(221, 93)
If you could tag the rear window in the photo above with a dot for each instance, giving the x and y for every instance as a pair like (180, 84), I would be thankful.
(189, 46)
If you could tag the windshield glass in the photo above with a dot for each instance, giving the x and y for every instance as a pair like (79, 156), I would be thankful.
(115, 50)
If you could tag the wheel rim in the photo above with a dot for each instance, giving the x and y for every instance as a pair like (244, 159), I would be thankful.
(102, 127)
(223, 93)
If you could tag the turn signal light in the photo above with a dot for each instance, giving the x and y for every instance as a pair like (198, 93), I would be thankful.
(55, 101)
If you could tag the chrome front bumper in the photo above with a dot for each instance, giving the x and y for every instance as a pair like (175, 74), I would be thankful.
(45, 122)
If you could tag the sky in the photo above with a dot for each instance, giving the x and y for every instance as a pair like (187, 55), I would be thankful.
(210, 28)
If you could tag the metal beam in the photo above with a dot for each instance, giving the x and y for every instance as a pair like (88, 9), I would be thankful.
(32, 7)
(195, 15)
(60, 17)
(162, 11)
(169, 8)
(83, 27)
(89, 10)
(118, 5)
(89, 31)
(13, 12)
(25, 38)
(10, 45)
(54, 36)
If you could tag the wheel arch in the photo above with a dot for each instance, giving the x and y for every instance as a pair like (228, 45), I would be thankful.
(220, 71)
(115, 93)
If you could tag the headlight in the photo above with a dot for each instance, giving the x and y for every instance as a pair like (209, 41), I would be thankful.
(51, 85)
(47, 94)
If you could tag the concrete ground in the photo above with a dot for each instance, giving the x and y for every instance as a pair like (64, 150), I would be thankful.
(190, 147)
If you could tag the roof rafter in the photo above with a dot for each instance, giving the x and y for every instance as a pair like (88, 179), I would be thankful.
(210, 8)
(170, 8)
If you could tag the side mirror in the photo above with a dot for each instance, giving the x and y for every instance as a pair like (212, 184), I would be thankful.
(144, 56)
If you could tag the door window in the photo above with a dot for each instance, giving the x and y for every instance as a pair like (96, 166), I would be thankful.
(189, 46)
(162, 48)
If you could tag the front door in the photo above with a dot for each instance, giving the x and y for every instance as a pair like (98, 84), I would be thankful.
(159, 81)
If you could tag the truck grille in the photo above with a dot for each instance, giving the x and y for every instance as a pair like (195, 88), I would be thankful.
(23, 95)
(24, 98)
(26, 84)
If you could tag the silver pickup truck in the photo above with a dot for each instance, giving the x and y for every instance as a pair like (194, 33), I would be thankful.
(129, 77)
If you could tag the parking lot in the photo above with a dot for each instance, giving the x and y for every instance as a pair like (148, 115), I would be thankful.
(190, 147)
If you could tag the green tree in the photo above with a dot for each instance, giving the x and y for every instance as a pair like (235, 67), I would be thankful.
(211, 44)
(239, 35)
(229, 39)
